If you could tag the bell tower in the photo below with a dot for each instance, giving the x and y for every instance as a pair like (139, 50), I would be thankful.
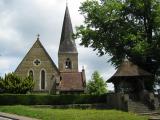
(67, 54)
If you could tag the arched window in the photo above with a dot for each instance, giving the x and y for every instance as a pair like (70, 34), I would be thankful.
(43, 79)
(31, 74)
(68, 64)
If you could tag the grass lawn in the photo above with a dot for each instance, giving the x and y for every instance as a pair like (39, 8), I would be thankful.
(70, 114)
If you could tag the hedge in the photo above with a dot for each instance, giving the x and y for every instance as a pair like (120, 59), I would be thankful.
(21, 99)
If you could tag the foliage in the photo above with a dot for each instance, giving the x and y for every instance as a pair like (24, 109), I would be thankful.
(96, 85)
(157, 81)
(1, 90)
(123, 27)
(13, 99)
(14, 84)
(70, 114)
(157, 76)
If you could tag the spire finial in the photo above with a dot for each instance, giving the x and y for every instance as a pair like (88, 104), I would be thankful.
(38, 36)
(66, 2)
(82, 67)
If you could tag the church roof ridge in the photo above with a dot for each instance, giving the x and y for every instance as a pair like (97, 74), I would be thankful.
(47, 54)
(39, 42)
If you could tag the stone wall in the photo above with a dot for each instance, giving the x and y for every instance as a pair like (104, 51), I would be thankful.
(62, 57)
(117, 101)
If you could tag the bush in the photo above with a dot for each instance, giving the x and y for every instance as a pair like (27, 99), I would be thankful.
(14, 84)
(14, 99)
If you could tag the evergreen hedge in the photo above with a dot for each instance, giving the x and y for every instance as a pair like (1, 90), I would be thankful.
(22, 99)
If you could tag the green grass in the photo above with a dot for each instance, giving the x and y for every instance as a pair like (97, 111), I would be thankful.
(70, 114)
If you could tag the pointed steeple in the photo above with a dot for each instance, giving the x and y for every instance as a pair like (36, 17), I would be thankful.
(67, 43)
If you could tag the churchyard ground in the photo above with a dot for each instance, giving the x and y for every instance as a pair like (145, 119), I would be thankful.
(69, 114)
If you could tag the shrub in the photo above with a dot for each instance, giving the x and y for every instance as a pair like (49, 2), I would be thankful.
(14, 84)
(1, 90)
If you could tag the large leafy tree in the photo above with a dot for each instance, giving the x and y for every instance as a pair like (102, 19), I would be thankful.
(96, 85)
(123, 27)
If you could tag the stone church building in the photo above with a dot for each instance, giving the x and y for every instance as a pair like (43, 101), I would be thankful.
(47, 76)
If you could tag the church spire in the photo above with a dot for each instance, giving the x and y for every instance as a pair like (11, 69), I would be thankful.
(67, 43)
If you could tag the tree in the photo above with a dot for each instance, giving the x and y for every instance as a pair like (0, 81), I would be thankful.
(14, 84)
(1, 90)
(123, 27)
(96, 85)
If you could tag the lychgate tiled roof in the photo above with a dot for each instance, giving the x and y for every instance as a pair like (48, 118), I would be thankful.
(67, 43)
(71, 81)
(129, 69)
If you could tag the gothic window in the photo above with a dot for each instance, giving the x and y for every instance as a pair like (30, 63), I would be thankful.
(43, 77)
(68, 64)
(37, 62)
(31, 74)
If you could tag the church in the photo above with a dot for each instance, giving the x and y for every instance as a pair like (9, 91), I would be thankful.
(64, 79)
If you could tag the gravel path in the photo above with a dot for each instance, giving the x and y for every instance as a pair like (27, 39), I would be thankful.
(6, 116)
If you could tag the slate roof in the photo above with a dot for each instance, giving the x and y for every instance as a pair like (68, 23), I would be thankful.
(71, 81)
(67, 43)
(129, 69)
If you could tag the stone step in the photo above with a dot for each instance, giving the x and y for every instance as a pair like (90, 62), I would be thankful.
(141, 108)
(154, 118)
(135, 109)
(140, 111)
(138, 107)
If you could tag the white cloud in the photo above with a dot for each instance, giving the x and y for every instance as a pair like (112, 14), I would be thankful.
(8, 64)
(5, 64)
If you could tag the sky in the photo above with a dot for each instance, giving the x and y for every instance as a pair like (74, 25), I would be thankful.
(22, 20)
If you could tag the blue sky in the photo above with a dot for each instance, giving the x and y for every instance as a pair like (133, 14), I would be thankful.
(22, 20)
